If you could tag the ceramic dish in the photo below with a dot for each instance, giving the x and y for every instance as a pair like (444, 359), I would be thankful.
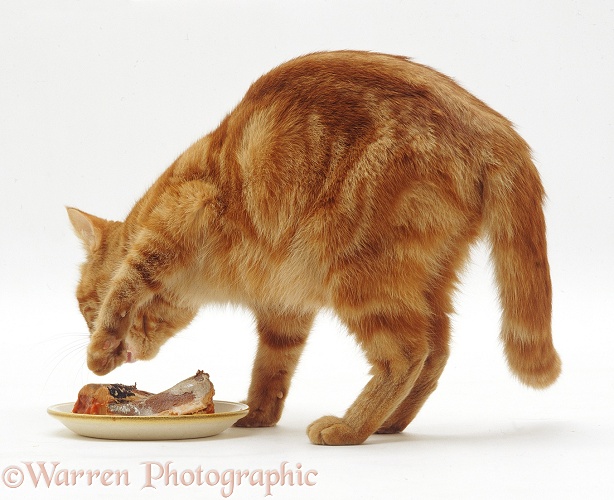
(138, 428)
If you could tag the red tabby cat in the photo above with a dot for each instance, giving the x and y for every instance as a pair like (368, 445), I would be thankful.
(343, 180)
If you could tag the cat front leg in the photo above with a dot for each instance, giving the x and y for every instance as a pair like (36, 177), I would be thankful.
(107, 349)
(132, 287)
(281, 340)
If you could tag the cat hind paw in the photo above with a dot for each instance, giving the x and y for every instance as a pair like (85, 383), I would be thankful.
(333, 431)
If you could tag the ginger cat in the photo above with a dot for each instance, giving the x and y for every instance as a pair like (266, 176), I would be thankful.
(344, 180)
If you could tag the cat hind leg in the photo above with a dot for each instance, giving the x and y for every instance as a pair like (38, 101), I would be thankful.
(426, 383)
(397, 348)
(413, 402)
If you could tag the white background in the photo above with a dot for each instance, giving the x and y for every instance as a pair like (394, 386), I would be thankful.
(98, 98)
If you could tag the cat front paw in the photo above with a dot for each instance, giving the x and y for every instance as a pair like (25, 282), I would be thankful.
(257, 418)
(333, 431)
(104, 354)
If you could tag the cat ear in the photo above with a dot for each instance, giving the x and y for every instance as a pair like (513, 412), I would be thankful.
(87, 227)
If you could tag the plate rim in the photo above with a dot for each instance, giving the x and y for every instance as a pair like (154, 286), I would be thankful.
(55, 412)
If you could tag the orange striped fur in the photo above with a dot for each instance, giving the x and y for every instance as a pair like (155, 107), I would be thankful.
(344, 180)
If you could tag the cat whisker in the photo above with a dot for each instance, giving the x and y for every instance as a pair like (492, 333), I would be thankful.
(65, 355)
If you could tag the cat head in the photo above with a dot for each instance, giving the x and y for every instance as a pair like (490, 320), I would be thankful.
(153, 323)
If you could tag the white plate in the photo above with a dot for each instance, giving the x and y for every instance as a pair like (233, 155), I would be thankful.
(139, 428)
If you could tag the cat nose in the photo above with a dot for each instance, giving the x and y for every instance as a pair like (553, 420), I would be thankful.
(130, 358)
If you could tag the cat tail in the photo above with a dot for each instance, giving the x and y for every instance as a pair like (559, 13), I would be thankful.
(515, 225)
